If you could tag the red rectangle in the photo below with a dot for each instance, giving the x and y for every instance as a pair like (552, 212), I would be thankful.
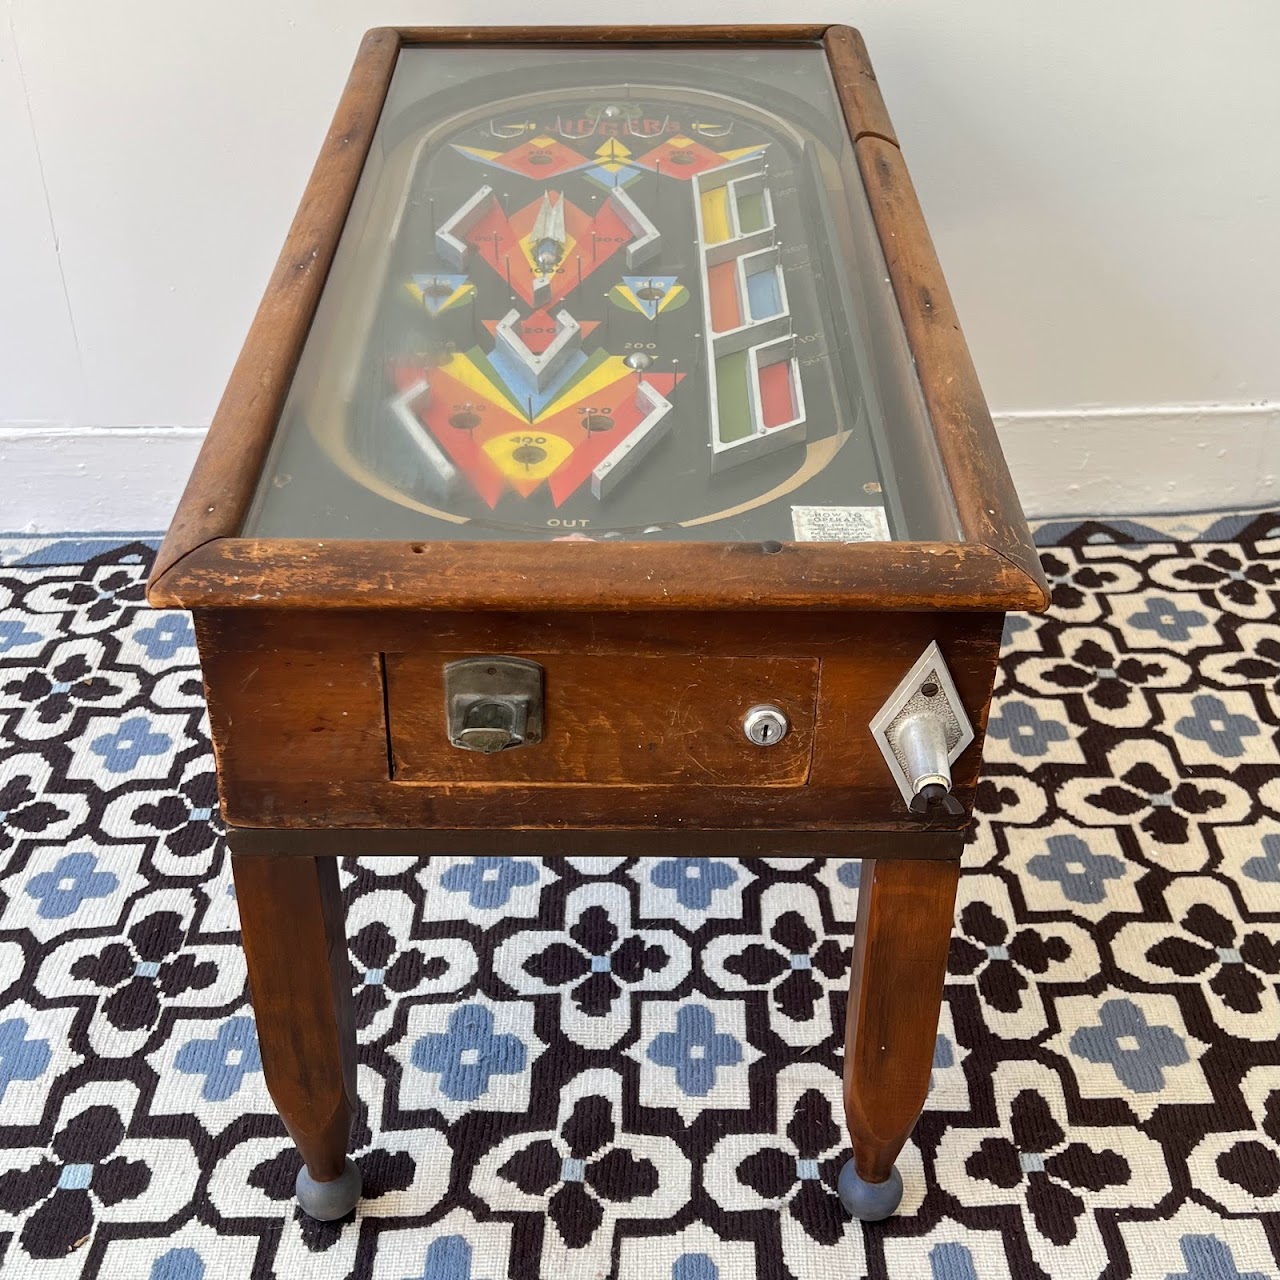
(777, 404)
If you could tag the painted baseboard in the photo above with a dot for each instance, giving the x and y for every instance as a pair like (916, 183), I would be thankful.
(1099, 462)
(93, 479)
(1167, 460)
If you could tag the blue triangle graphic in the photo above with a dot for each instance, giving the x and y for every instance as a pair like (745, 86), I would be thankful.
(433, 289)
(649, 305)
(610, 178)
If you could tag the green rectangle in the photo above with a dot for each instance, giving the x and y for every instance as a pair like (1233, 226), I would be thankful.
(731, 397)
(751, 213)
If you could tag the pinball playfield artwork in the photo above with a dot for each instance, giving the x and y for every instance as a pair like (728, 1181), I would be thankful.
(572, 303)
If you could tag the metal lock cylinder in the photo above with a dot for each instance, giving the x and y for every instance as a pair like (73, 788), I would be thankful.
(921, 742)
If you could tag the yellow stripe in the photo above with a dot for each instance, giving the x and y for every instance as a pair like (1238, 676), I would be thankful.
(502, 448)
(604, 375)
(461, 292)
(671, 297)
(715, 215)
(462, 370)
(479, 152)
(529, 244)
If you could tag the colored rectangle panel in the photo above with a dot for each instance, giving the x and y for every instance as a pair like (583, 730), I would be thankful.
(777, 403)
(731, 397)
(764, 298)
(726, 307)
(715, 215)
(751, 212)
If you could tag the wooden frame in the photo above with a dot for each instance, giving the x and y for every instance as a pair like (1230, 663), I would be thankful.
(204, 563)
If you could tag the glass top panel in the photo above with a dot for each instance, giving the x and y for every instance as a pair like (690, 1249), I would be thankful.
(618, 293)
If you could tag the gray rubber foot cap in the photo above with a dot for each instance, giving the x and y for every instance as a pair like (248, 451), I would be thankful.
(869, 1201)
(329, 1201)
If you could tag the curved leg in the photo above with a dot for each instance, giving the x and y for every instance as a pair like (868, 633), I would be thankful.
(295, 945)
(905, 912)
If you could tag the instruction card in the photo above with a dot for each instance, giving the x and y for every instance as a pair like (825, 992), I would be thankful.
(840, 524)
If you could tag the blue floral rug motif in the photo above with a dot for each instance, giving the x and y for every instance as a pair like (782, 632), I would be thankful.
(629, 1069)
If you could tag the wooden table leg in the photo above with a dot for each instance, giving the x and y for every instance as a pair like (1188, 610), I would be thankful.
(295, 945)
(905, 914)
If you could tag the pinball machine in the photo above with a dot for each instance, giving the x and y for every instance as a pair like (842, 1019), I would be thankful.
(604, 472)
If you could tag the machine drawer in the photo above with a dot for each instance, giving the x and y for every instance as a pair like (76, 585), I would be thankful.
(616, 719)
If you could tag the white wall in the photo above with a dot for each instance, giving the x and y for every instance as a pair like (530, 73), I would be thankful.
(1102, 181)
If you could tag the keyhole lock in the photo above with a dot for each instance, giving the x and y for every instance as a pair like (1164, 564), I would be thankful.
(765, 725)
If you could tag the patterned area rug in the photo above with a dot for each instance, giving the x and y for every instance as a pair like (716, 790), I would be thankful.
(629, 1069)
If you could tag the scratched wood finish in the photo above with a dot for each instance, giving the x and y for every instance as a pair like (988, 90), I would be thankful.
(856, 85)
(295, 946)
(298, 716)
(267, 801)
(740, 634)
(634, 36)
(616, 719)
(901, 940)
(288, 573)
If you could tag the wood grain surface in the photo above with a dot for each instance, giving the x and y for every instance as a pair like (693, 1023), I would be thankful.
(629, 719)
(920, 841)
(293, 928)
(856, 86)
(901, 940)
(760, 33)
(289, 573)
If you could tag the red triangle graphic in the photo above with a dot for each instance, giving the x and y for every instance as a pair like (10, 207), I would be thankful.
(619, 401)
(537, 330)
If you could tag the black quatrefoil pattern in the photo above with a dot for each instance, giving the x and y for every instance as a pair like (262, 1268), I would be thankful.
(629, 1069)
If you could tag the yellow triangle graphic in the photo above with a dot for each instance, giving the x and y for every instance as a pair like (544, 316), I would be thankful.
(604, 375)
(461, 369)
(672, 295)
(613, 150)
(479, 152)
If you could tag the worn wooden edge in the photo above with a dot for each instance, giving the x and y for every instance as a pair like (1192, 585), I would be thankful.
(289, 573)
(766, 33)
(864, 111)
(593, 842)
(986, 500)
(221, 485)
